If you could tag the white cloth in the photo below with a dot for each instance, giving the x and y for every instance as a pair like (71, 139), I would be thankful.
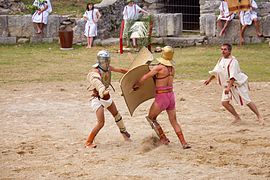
(96, 103)
(224, 12)
(138, 30)
(90, 26)
(226, 69)
(42, 17)
(246, 17)
(131, 12)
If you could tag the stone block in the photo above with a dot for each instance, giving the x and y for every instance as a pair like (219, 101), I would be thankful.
(51, 29)
(35, 39)
(202, 24)
(3, 25)
(8, 40)
(157, 40)
(162, 25)
(266, 26)
(78, 31)
(231, 32)
(210, 25)
(14, 25)
(110, 42)
(47, 40)
(27, 28)
(178, 24)
(155, 30)
(23, 40)
(170, 24)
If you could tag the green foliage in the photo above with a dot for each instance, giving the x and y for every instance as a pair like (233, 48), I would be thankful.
(144, 39)
(31, 9)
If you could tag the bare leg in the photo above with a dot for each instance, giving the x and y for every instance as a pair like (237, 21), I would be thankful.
(41, 25)
(99, 125)
(87, 42)
(177, 128)
(224, 28)
(257, 26)
(231, 109)
(134, 43)
(37, 28)
(90, 42)
(242, 34)
(119, 122)
(254, 109)
(219, 23)
(152, 116)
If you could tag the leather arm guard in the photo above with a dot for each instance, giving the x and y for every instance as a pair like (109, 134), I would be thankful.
(95, 80)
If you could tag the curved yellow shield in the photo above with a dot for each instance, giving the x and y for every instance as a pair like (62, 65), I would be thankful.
(134, 98)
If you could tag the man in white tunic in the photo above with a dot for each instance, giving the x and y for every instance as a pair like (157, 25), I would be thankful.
(234, 83)
(92, 16)
(247, 18)
(131, 13)
(40, 17)
(224, 16)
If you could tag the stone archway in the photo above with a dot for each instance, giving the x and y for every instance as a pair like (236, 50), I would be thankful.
(190, 10)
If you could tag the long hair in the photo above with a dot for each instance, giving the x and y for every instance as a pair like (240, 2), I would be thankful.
(87, 8)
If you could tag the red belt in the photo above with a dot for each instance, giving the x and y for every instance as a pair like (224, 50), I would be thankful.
(163, 91)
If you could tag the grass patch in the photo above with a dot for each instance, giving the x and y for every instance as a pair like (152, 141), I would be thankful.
(47, 63)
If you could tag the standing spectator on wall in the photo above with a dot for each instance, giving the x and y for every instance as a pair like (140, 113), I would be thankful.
(224, 16)
(92, 16)
(130, 14)
(40, 17)
(247, 18)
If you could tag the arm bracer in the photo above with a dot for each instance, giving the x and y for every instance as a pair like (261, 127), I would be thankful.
(95, 80)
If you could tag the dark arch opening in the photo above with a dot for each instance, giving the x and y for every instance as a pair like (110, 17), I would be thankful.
(190, 10)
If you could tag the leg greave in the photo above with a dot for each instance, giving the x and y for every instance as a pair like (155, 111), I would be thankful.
(155, 125)
(120, 123)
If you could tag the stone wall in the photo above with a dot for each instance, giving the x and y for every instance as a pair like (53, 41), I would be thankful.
(208, 24)
(11, 7)
(19, 28)
(16, 28)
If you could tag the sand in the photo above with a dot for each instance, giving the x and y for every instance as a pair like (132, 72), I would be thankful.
(43, 129)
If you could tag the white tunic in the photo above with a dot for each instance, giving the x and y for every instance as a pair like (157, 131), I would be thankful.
(136, 29)
(226, 69)
(42, 17)
(90, 26)
(246, 17)
(131, 12)
(224, 12)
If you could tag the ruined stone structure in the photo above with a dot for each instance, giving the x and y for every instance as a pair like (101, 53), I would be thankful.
(168, 24)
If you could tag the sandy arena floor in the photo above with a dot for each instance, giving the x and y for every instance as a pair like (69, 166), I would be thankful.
(43, 128)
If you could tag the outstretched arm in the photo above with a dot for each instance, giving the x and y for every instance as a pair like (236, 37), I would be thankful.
(209, 80)
(119, 70)
(151, 73)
